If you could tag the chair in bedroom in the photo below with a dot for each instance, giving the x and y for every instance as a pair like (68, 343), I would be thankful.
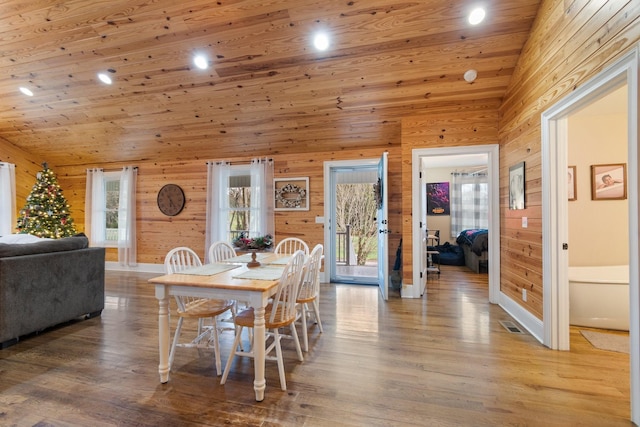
(433, 236)
(200, 309)
(308, 295)
(280, 313)
(290, 245)
(433, 240)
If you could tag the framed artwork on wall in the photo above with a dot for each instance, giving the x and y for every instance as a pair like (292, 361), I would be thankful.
(516, 186)
(572, 187)
(291, 194)
(609, 181)
(438, 198)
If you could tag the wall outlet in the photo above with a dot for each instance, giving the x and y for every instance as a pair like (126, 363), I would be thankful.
(525, 222)
(524, 294)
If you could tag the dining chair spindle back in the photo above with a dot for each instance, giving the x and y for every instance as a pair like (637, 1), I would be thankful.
(201, 309)
(280, 313)
(309, 293)
(290, 245)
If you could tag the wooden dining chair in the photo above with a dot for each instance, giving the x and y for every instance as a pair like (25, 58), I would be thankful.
(309, 293)
(220, 250)
(290, 245)
(280, 313)
(200, 309)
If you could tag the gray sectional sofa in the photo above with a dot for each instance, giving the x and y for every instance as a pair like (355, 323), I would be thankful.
(47, 283)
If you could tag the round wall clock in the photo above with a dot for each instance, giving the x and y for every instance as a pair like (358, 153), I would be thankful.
(171, 199)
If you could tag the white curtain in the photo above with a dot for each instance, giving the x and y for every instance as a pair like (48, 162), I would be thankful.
(217, 203)
(469, 201)
(127, 217)
(94, 207)
(7, 198)
(262, 192)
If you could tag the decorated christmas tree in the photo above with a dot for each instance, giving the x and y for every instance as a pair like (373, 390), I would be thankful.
(46, 213)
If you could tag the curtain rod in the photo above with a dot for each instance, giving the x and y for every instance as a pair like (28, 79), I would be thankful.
(113, 170)
(237, 162)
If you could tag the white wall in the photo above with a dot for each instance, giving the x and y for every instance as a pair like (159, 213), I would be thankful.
(598, 229)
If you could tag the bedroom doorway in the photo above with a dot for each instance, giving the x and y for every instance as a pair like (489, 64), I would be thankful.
(420, 223)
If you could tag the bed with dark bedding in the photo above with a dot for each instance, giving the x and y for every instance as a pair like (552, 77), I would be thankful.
(475, 244)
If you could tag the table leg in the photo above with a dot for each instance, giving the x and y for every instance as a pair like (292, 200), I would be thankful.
(259, 382)
(163, 332)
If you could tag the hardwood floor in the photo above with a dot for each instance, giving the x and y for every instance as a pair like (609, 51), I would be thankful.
(444, 360)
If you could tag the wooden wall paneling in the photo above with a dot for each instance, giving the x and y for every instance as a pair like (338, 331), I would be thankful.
(567, 46)
(27, 166)
(157, 234)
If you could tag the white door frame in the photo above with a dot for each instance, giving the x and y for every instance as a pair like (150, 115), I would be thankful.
(555, 210)
(417, 232)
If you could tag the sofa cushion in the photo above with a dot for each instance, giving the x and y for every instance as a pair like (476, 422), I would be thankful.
(79, 241)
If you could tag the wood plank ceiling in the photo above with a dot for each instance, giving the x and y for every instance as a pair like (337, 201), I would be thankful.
(267, 89)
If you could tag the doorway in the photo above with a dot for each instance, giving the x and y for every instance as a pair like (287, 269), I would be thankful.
(351, 231)
(555, 216)
(456, 188)
(419, 226)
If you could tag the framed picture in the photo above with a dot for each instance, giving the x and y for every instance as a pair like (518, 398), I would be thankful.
(291, 194)
(572, 189)
(516, 186)
(609, 181)
(438, 198)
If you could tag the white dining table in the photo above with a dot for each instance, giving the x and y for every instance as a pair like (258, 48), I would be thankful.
(239, 283)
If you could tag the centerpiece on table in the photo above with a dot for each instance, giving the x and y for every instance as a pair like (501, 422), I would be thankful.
(261, 243)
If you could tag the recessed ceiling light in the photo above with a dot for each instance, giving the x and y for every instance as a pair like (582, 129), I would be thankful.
(476, 16)
(26, 91)
(470, 75)
(201, 62)
(104, 78)
(321, 41)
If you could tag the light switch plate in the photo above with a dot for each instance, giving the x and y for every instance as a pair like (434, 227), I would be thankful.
(319, 220)
(525, 222)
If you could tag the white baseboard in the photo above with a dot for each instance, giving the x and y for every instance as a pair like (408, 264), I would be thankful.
(528, 321)
(140, 268)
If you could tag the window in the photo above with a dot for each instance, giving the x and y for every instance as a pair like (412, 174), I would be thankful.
(110, 199)
(110, 211)
(112, 204)
(239, 199)
(469, 202)
(239, 213)
(7, 198)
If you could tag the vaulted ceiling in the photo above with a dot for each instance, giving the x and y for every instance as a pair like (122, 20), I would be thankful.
(267, 89)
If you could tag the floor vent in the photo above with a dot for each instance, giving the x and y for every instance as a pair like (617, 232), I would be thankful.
(511, 327)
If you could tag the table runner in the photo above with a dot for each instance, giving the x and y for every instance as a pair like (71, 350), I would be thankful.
(261, 273)
(247, 257)
(279, 261)
(209, 269)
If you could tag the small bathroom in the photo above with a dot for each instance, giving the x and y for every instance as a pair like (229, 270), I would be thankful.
(598, 214)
